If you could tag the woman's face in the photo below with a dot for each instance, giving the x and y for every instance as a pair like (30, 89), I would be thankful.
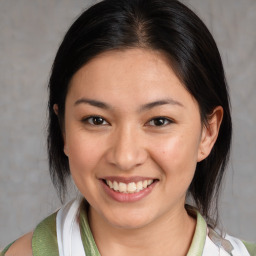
(133, 137)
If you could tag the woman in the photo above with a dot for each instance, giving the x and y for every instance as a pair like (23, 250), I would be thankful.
(139, 116)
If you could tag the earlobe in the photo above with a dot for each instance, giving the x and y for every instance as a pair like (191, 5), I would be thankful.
(65, 150)
(210, 133)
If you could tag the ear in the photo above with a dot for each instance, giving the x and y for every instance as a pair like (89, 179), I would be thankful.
(56, 111)
(65, 149)
(210, 133)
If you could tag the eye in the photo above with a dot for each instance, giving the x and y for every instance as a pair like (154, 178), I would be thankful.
(159, 121)
(95, 120)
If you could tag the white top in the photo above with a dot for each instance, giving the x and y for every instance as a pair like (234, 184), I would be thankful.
(68, 231)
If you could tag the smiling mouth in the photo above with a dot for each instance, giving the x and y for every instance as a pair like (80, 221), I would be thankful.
(129, 188)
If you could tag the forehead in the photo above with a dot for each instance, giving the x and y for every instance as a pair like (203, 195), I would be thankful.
(134, 62)
(140, 74)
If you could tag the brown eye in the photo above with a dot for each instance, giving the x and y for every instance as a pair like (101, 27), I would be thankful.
(159, 121)
(96, 120)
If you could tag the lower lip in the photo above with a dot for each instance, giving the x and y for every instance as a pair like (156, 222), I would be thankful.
(128, 197)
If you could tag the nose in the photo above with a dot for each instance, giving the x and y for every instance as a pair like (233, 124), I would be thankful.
(127, 149)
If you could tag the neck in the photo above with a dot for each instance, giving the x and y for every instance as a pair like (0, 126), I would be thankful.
(170, 234)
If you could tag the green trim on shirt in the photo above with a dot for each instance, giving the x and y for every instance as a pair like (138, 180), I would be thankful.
(44, 241)
(251, 248)
(6, 249)
(197, 245)
(89, 244)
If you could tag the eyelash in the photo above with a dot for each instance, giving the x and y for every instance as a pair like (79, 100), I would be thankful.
(164, 121)
(90, 120)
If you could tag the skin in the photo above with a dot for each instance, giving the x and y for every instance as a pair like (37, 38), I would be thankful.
(22, 247)
(127, 143)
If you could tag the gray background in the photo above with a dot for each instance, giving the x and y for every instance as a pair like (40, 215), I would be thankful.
(30, 32)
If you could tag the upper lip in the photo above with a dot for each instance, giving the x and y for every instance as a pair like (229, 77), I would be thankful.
(127, 179)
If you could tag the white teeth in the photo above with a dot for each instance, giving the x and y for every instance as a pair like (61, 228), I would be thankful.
(122, 187)
(110, 184)
(150, 182)
(115, 186)
(131, 187)
(139, 186)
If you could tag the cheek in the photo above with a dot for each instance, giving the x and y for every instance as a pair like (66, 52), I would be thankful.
(84, 156)
(84, 152)
(177, 162)
(177, 156)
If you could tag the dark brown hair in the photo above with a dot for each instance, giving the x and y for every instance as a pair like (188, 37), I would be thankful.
(163, 25)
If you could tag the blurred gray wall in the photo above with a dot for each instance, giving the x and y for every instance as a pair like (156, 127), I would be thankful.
(30, 32)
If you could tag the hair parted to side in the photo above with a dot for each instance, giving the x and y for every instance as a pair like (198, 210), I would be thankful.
(162, 25)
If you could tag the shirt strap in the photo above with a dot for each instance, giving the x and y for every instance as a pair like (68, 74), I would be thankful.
(90, 246)
(44, 241)
(198, 242)
(68, 230)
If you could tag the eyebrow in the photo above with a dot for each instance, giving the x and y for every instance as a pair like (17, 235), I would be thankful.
(157, 103)
(94, 103)
(144, 107)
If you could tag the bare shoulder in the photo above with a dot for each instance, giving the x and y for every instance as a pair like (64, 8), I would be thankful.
(22, 246)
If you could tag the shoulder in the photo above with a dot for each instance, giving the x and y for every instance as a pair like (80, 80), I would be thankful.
(21, 247)
(39, 242)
